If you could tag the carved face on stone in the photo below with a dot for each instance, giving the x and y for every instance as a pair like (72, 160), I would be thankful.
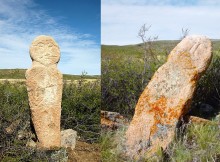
(45, 50)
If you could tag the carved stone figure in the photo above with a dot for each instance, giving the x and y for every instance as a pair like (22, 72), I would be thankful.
(44, 85)
(167, 97)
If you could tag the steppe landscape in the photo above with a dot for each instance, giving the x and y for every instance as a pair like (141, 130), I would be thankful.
(124, 79)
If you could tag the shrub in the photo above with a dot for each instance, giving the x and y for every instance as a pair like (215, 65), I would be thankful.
(122, 69)
(122, 80)
(121, 88)
(113, 145)
(198, 142)
(208, 89)
(80, 111)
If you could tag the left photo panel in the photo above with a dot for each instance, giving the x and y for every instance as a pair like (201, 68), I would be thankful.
(50, 74)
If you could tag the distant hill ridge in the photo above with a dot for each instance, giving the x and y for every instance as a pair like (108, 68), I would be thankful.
(109, 51)
(20, 74)
(161, 42)
(168, 44)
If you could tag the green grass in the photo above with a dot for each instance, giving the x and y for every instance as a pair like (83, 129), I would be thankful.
(20, 74)
(112, 145)
(80, 111)
(160, 48)
(122, 68)
(199, 142)
(122, 73)
(136, 50)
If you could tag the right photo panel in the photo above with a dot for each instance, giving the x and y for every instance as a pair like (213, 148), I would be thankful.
(160, 81)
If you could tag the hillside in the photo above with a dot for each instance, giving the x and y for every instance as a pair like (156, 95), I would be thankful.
(20, 74)
(122, 73)
(123, 80)
(137, 51)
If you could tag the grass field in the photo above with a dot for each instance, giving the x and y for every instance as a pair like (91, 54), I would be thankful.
(136, 50)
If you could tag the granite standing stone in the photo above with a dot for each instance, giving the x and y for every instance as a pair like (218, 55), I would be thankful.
(167, 97)
(44, 85)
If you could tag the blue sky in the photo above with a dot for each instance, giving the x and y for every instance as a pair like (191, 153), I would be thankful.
(74, 24)
(122, 19)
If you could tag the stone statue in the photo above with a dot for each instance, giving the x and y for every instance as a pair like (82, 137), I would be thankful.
(167, 97)
(44, 85)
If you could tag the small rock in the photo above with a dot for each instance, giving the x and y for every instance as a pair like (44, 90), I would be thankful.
(112, 120)
(113, 116)
(31, 143)
(21, 134)
(197, 120)
(60, 155)
(68, 138)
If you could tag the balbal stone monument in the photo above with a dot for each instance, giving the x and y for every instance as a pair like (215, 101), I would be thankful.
(44, 85)
(167, 97)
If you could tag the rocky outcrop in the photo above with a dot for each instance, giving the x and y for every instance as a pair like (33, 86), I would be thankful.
(167, 97)
(44, 85)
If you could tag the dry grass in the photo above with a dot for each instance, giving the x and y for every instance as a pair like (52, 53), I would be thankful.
(198, 142)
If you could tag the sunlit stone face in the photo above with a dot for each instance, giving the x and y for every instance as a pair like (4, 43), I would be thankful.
(45, 50)
(167, 98)
(44, 85)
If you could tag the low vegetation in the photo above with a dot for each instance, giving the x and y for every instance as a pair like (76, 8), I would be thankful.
(193, 142)
(122, 72)
(122, 68)
(20, 74)
(81, 104)
(80, 111)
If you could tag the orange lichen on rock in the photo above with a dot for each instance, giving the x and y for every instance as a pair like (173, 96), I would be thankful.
(158, 108)
(112, 120)
(167, 97)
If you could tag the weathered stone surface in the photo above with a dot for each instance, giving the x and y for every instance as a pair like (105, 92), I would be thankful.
(44, 85)
(60, 155)
(68, 138)
(31, 143)
(112, 120)
(167, 97)
(198, 120)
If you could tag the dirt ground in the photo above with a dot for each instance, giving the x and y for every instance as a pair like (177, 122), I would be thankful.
(84, 152)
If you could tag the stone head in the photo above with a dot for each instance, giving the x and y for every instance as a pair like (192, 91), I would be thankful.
(45, 50)
(194, 48)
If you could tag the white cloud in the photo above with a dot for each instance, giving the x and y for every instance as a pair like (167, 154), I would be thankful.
(162, 2)
(22, 21)
(121, 21)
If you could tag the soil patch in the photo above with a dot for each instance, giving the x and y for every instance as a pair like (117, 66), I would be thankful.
(84, 152)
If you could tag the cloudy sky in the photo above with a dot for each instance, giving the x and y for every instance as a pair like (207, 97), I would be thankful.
(74, 24)
(122, 19)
